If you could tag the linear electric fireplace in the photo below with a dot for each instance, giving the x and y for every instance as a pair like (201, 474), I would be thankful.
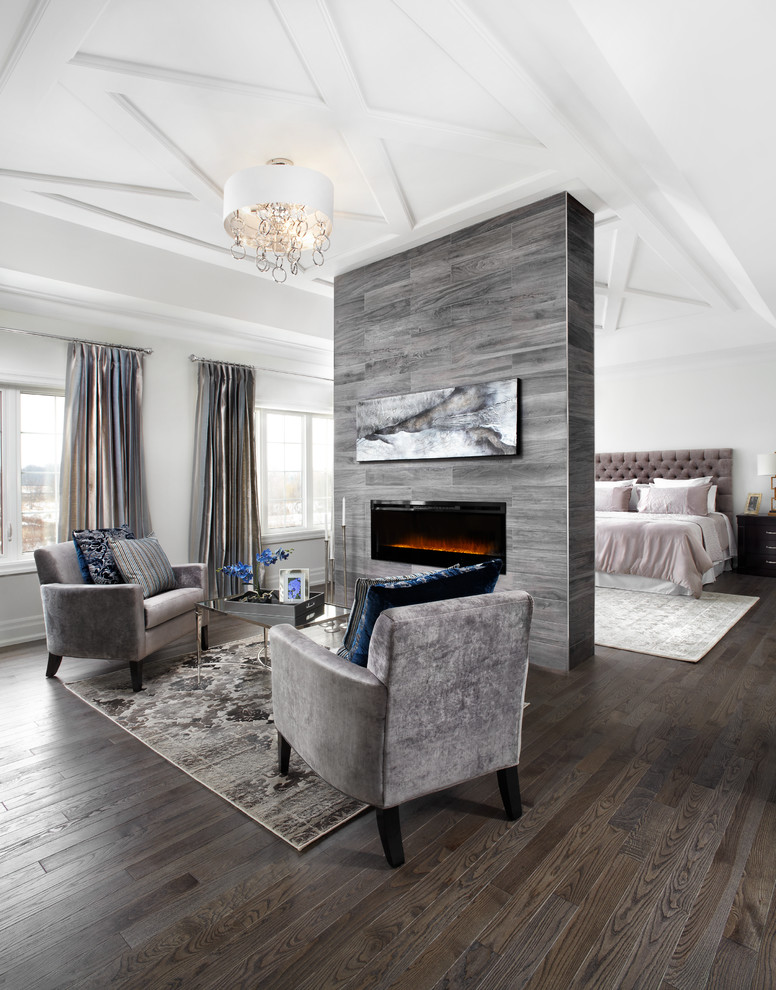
(441, 533)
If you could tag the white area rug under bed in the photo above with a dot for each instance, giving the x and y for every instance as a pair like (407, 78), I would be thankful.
(679, 628)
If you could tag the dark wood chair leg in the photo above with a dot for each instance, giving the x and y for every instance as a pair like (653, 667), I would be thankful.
(509, 785)
(389, 827)
(136, 673)
(284, 754)
(53, 664)
(203, 638)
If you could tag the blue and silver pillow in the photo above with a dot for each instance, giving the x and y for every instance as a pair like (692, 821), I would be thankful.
(144, 562)
(453, 582)
(95, 559)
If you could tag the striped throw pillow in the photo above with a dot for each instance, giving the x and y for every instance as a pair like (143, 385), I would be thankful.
(359, 597)
(143, 562)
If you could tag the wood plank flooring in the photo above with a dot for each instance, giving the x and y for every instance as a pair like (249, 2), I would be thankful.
(645, 857)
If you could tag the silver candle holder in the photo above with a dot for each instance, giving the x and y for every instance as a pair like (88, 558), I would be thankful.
(345, 562)
(328, 572)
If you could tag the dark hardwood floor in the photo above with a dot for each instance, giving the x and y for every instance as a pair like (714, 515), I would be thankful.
(645, 857)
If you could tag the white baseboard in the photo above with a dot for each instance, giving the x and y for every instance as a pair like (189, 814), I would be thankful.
(24, 630)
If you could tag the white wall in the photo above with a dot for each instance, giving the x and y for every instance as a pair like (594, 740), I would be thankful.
(169, 402)
(722, 401)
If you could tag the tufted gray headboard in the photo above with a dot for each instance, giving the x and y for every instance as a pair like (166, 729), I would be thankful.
(646, 465)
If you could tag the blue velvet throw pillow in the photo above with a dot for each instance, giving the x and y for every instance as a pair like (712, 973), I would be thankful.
(359, 600)
(454, 582)
(95, 559)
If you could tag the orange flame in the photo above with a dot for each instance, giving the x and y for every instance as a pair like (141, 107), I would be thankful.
(454, 544)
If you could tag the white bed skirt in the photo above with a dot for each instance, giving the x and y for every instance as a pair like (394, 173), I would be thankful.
(634, 582)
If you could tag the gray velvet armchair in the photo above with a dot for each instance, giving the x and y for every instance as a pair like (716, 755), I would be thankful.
(440, 702)
(112, 621)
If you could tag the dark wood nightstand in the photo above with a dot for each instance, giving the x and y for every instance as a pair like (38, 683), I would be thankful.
(757, 545)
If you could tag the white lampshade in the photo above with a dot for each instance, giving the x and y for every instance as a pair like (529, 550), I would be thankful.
(279, 210)
(278, 183)
(766, 464)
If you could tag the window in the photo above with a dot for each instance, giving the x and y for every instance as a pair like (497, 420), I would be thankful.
(295, 457)
(30, 452)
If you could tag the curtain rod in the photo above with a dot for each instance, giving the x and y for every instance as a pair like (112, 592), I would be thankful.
(76, 340)
(231, 364)
(270, 371)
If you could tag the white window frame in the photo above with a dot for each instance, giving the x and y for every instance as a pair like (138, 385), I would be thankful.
(12, 559)
(306, 529)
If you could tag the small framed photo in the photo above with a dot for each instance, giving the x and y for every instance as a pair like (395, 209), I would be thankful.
(753, 504)
(294, 584)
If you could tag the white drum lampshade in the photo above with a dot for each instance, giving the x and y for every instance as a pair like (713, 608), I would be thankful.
(280, 210)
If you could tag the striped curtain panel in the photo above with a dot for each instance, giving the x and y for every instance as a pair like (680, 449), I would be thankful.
(102, 478)
(225, 524)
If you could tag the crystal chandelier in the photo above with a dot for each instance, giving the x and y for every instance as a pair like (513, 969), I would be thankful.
(278, 210)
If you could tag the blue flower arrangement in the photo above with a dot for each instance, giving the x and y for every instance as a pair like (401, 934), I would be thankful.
(268, 557)
(245, 571)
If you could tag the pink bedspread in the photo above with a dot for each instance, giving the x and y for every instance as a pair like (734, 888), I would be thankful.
(670, 549)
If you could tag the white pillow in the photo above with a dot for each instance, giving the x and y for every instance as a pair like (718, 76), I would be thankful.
(686, 500)
(690, 483)
(623, 483)
(614, 499)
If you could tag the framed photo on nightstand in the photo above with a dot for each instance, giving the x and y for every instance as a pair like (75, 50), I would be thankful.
(753, 504)
(294, 584)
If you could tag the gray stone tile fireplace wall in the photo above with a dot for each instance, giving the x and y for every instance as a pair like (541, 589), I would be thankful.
(508, 297)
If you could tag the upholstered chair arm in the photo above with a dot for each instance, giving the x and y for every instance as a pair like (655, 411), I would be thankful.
(331, 711)
(190, 576)
(455, 674)
(99, 621)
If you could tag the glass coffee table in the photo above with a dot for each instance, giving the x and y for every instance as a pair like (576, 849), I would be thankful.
(258, 615)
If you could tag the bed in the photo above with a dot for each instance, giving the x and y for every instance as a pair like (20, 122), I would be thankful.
(659, 549)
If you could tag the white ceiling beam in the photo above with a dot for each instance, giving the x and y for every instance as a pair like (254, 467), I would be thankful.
(124, 68)
(43, 179)
(668, 297)
(375, 165)
(602, 287)
(449, 137)
(535, 87)
(122, 115)
(48, 36)
(148, 84)
(309, 25)
(55, 204)
(620, 264)
(156, 82)
(121, 218)
(310, 29)
(666, 199)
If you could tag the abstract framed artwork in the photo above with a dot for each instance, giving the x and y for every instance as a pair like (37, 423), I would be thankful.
(460, 421)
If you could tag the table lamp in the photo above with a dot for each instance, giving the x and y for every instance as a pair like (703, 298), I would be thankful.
(766, 464)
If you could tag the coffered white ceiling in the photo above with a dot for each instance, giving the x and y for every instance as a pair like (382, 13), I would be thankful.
(122, 119)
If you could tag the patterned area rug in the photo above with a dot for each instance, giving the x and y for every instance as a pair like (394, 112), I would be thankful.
(666, 625)
(220, 733)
